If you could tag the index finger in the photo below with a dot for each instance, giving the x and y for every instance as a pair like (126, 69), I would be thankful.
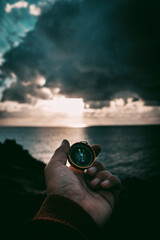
(96, 148)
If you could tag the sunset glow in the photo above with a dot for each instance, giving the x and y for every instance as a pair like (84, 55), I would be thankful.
(70, 106)
(72, 112)
(60, 75)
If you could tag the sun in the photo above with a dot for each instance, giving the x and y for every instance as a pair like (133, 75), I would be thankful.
(78, 125)
(68, 106)
(62, 111)
(62, 105)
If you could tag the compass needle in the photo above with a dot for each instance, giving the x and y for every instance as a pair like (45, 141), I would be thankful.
(81, 155)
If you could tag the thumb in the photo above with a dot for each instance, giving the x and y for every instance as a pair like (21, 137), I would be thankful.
(60, 155)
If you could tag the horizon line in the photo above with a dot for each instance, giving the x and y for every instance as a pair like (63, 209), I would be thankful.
(87, 126)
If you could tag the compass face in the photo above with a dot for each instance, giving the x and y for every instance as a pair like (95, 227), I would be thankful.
(81, 155)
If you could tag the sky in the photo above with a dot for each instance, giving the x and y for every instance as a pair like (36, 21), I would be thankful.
(79, 63)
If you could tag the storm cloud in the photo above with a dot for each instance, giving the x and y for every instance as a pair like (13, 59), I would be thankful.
(25, 93)
(95, 50)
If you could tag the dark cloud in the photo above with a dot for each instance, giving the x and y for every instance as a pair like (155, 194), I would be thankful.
(2, 78)
(97, 104)
(5, 114)
(91, 49)
(24, 93)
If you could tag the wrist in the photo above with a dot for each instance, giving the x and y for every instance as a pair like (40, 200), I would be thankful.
(60, 209)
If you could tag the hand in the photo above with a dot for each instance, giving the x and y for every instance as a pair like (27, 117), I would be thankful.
(94, 190)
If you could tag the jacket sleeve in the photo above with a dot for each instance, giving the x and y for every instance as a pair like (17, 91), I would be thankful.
(60, 218)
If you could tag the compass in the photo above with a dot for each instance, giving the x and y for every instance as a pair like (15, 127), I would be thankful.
(81, 155)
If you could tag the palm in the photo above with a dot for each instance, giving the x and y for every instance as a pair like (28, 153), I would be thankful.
(72, 184)
(75, 185)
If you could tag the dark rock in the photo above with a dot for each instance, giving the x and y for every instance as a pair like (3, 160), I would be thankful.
(22, 185)
(19, 171)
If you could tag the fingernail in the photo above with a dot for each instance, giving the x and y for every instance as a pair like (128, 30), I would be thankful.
(95, 182)
(105, 183)
(91, 170)
(63, 141)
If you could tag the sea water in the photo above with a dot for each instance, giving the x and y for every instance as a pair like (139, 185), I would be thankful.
(127, 151)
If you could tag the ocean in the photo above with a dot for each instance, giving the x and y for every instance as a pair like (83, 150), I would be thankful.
(127, 151)
(130, 152)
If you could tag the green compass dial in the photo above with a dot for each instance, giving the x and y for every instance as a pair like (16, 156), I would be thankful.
(81, 155)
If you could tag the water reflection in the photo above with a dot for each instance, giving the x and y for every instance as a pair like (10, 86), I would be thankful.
(126, 151)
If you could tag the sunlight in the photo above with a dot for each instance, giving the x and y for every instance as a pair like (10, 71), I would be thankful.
(77, 125)
(69, 106)
(70, 112)
(118, 102)
(62, 105)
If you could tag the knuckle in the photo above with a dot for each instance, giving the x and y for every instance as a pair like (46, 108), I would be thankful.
(115, 181)
(99, 166)
(103, 174)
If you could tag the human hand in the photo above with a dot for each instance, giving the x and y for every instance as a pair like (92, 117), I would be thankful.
(94, 190)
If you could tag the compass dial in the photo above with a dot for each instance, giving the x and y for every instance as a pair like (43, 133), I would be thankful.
(81, 155)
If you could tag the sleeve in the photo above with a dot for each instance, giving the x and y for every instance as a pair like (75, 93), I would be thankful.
(60, 218)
